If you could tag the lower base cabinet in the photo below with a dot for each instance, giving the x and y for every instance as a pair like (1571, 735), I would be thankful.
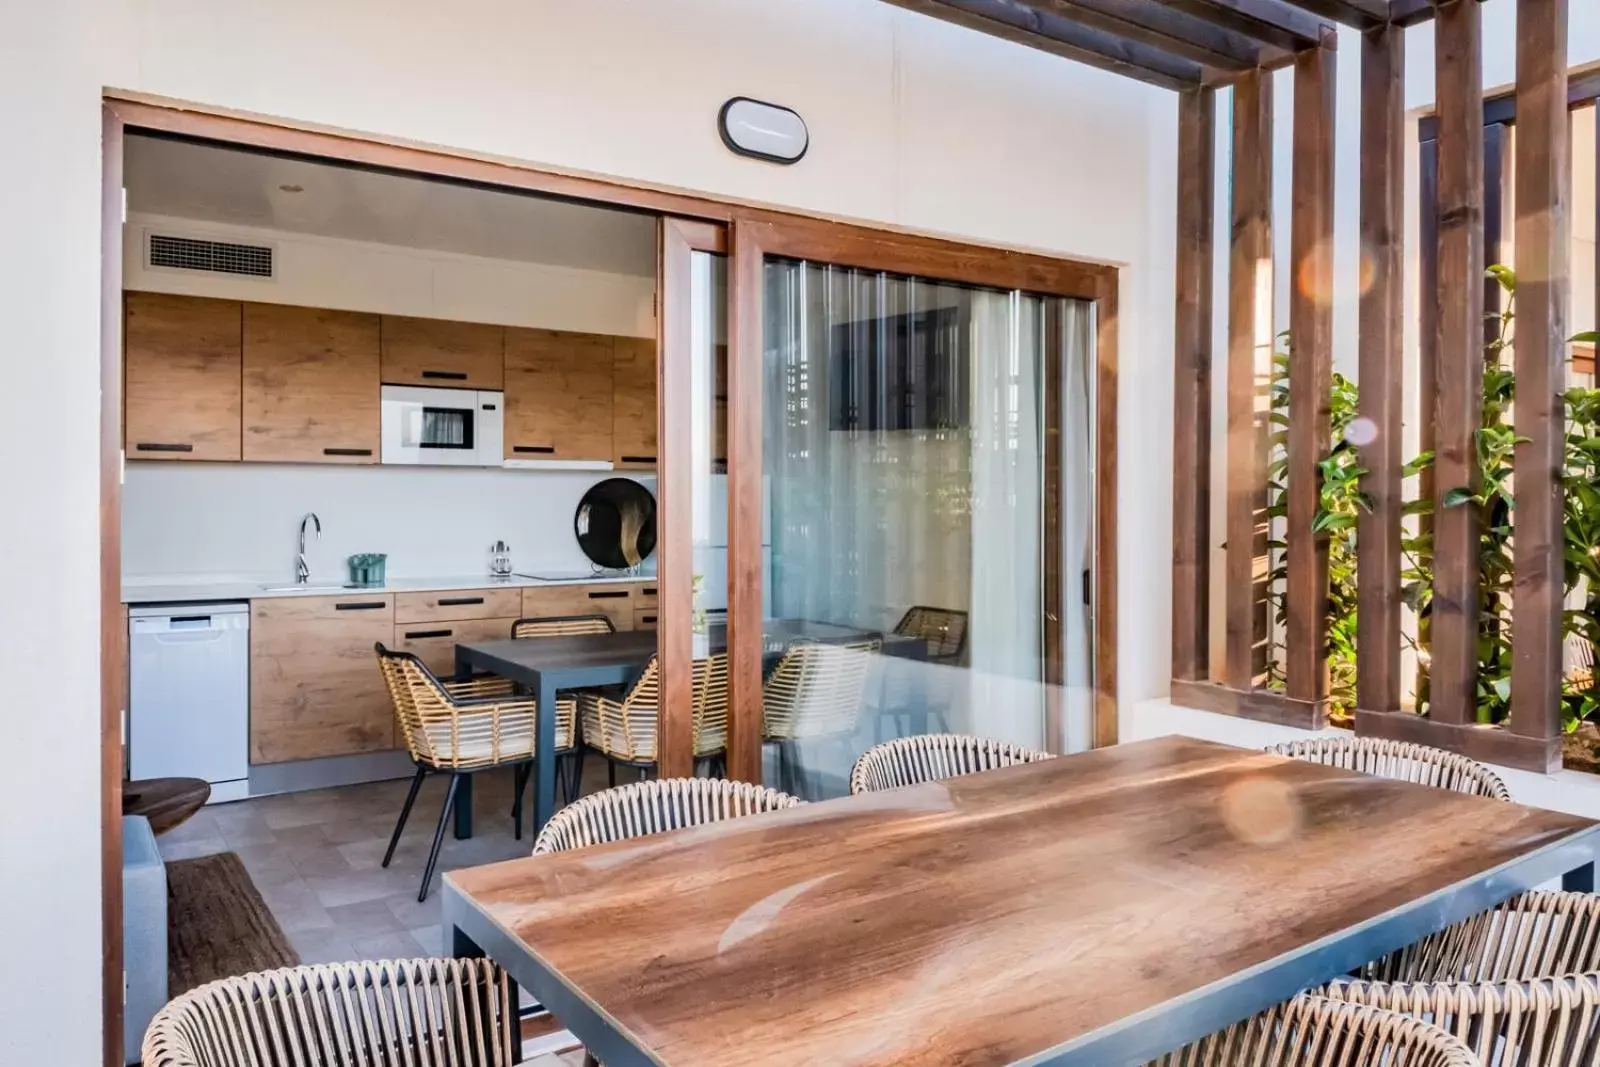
(434, 643)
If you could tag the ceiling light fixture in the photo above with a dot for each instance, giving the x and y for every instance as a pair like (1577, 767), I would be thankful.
(761, 130)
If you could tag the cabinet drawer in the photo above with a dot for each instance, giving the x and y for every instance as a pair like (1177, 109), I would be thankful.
(644, 596)
(644, 618)
(370, 607)
(614, 600)
(435, 644)
(436, 352)
(453, 604)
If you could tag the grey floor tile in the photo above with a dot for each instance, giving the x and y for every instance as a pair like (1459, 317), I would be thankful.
(321, 946)
(367, 919)
(431, 938)
(188, 849)
(412, 914)
(396, 946)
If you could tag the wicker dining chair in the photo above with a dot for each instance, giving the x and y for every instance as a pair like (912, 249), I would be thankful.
(934, 757)
(815, 693)
(943, 632)
(420, 1012)
(654, 807)
(1314, 1031)
(1534, 935)
(1543, 1022)
(459, 728)
(623, 728)
(1399, 760)
(563, 626)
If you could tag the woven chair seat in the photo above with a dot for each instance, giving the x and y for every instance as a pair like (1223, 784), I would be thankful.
(623, 727)
(421, 1013)
(654, 807)
(934, 757)
(1401, 761)
(1314, 1031)
(481, 687)
(1546, 1022)
(508, 732)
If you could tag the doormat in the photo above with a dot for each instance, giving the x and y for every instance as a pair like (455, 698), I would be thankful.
(217, 924)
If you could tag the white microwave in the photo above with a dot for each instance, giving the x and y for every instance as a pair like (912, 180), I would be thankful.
(443, 427)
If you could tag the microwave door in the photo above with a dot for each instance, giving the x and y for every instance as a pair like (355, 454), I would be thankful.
(436, 427)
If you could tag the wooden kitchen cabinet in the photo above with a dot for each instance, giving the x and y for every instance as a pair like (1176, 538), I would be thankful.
(315, 687)
(436, 352)
(181, 377)
(434, 643)
(559, 401)
(449, 605)
(311, 385)
(634, 403)
(612, 599)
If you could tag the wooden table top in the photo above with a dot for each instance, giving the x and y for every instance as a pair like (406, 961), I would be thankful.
(990, 918)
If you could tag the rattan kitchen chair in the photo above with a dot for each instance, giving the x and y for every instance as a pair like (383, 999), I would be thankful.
(563, 626)
(1314, 1031)
(459, 728)
(623, 728)
(1544, 1022)
(934, 757)
(943, 632)
(1399, 760)
(422, 1013)
(814, 694)
(654, 807)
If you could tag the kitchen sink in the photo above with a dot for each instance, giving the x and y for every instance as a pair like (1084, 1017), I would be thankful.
(306, 588)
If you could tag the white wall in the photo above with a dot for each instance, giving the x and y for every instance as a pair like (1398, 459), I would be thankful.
(239, 521)
(313, 271)
(914, 124)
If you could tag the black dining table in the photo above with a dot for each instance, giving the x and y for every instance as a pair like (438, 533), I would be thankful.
(548, 665)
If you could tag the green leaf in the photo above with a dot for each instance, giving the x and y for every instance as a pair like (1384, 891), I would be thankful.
(1505, 276)
(1461, 494)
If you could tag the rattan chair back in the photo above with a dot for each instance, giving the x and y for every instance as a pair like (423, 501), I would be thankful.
(654, 807)
(816, 690)
(1399, 760)
(944, 630)
(1535, 935)
(563, 626)
(1546, 1022)
(934, 757)
(459, 730)
(1314, 1031)
(626, 729)
(421, 1013)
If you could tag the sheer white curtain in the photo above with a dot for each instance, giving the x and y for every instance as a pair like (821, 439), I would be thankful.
(1077, 520)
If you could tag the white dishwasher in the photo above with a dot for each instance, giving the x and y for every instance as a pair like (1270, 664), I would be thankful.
(189, 694)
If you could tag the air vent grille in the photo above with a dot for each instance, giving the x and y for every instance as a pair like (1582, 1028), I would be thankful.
(217, 257)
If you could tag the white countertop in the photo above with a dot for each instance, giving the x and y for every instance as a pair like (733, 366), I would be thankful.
(183, 592)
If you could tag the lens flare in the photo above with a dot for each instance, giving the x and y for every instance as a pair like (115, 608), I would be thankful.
(1361, 431)
(1260, 811)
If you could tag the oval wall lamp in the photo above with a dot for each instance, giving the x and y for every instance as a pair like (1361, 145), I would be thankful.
(761, 130)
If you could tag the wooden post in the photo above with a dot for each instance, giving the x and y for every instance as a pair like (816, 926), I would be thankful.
(1191, 423)
(745, 279)
(1458, 406)
(1249, 357)
(1543, 158)
(1310, 370)
(1381, 329)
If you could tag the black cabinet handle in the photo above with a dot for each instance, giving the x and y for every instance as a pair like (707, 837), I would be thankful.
(607, 596)
(648, 619)
(638, 459)
(416, 635)
(543, 450)
(457, 601)
(445, 375)
(361, 605)
(347, 451)
(158, 446)
(650, 591)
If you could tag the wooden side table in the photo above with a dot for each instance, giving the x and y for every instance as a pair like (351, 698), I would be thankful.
(166, 802)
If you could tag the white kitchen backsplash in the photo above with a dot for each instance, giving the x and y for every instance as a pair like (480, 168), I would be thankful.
(229, 521)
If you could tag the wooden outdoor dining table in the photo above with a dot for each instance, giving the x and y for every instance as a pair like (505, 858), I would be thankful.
(548, 665)
(1095, 909)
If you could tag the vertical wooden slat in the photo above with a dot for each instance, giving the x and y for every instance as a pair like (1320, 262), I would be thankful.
(1310, 371)
(1249, 329)
(1458, 402)
(1543, 154)
(1382, 352)
(1191, 423)
(1107, 325)
(745, 356)
(674, 505)
(1054, 592)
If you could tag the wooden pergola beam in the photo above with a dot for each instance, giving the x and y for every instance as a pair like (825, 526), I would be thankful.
(1411, 12)
(1362, 14)
(1159, 26)
(1275, 22)
(1063, 36)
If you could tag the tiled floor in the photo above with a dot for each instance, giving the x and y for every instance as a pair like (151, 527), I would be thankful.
(316, 859)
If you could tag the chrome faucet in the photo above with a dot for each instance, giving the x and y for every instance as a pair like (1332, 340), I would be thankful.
(302, 572)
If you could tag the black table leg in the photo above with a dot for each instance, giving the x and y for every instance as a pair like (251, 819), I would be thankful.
(544, 804)
(1579, 879)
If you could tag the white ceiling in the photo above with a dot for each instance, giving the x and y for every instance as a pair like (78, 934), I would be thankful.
(226, 185)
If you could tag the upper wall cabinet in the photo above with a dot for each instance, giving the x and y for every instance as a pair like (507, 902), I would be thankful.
(181, 377)
(311, 385)
(558, 395)
(464, 355)
(634, 397)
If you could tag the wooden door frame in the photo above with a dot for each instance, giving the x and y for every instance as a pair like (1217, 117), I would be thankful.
(756, 230)
(757, 235)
